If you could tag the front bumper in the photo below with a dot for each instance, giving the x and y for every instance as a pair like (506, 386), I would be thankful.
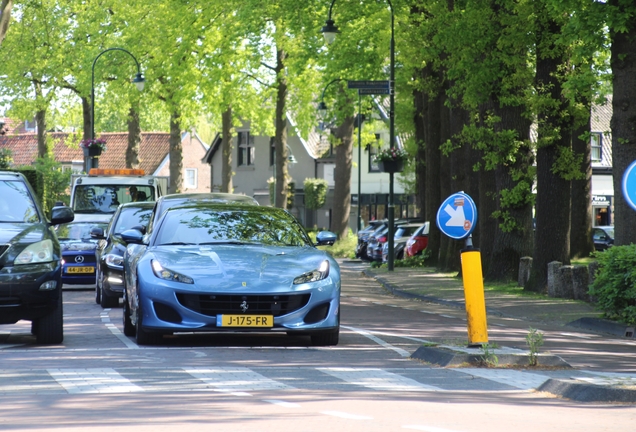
(21, 296)
(164, 310)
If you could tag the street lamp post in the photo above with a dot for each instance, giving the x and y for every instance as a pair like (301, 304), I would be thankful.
(139, 82)
(329, 32)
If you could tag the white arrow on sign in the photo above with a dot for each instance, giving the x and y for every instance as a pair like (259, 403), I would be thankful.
(457, 217)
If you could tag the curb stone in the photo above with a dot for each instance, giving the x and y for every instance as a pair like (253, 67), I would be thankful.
(583, 392)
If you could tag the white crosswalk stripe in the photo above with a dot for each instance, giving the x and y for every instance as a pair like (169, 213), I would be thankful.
(95, 380)
(377, 379)
(235, 379)
(521, 380)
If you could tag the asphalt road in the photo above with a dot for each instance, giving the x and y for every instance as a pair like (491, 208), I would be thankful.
(99, 379)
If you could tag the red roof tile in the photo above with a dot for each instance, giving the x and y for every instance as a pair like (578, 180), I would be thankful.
(153, 149)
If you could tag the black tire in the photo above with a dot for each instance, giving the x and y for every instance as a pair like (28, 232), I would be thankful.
(107, 300)
(98, 290)
(144, 337)
(49, 329)
(129, 328)
(327, 338)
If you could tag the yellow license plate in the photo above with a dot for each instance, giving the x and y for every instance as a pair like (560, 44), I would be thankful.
(80, 270)
(245, 320)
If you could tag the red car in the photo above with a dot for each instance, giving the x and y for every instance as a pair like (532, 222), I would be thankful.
(418, 241)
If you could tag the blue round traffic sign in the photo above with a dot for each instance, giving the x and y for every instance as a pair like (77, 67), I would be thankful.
(457, 216)
(629, 185)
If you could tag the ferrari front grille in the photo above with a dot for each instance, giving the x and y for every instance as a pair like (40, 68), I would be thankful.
(211, 305)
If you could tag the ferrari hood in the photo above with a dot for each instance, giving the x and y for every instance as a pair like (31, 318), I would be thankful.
(240, 265)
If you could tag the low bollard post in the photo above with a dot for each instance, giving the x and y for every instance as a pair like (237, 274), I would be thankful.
(474, 295)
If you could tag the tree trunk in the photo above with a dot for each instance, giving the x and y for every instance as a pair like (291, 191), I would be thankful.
(86, 117)
(433, 174)
(513, 232)
(176, 154)
(342, 178)
(552, 240)
(581, 243)
(134, 137)
(623, 63)
(226, 160)
(5, 18)
(420, 104)
(40, 121)
(280, 137)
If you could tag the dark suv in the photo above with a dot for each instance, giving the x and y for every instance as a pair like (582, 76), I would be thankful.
(30, 260)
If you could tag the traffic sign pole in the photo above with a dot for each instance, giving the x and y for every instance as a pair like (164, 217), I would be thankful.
(457, 218)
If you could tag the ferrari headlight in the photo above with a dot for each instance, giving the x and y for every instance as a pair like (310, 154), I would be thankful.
(164, 273)
(315, 275)
(36, 253)
(115, 261)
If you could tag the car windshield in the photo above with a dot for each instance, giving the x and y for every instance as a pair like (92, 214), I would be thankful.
(230, 225)
(106, 198)
(16, 204)
(130, 217)
(77, 230)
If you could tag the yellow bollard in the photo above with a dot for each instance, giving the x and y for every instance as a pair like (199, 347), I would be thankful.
(474, 296)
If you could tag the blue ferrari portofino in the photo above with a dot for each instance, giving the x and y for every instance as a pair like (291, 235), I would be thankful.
(229, 267)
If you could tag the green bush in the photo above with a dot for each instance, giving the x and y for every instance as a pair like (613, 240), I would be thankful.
(315, 192)
(615, 283)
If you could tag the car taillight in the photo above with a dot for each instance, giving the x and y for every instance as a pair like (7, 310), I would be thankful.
(382, 239)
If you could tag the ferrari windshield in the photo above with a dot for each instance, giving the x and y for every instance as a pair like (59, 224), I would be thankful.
(230, 225)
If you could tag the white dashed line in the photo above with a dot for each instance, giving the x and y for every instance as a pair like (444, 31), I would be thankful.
(346, 415)
(282, 403)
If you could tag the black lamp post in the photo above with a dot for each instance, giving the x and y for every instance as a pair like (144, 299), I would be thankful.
(330, 31)
(139, 82)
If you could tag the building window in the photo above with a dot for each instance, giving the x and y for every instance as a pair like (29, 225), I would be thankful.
(245, 149)
(190, 178)
(596, 142)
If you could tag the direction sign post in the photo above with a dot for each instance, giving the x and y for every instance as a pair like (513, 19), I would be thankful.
(457, 218)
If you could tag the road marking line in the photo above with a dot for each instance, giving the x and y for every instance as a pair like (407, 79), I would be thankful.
(379, 341)
(521, 380)
(233, 379)
(427, 428)
(282, 403)
(93, 380)
(346, 415)
(114, 330)
(377, 379)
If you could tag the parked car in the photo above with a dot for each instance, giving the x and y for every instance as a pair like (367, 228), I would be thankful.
(30, 260)
(111, 247)
(78, 251)
(417, 242)
(363, 235)
(238, 268)
(603, 237)
(402, 234)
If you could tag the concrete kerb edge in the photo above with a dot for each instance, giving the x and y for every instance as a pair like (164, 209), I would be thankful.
(582, 392)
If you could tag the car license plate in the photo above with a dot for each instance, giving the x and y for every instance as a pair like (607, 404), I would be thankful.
(80, 270)
(245, 321)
